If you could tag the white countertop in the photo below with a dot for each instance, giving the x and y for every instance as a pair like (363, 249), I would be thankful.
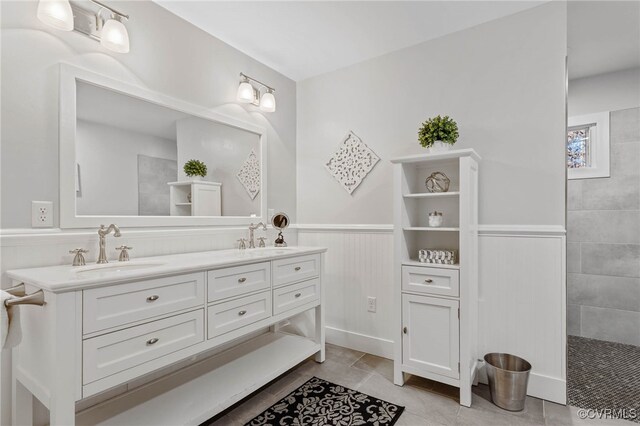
(60, 279)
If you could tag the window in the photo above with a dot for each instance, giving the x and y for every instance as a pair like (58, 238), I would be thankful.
(588, 146)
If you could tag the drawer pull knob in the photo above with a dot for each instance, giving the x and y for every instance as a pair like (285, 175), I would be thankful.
(241, 313)
(428, 281)
(152, 341)
(298, 294)
(297, 268)
(153, 298)
(404, 330)
(241, 280)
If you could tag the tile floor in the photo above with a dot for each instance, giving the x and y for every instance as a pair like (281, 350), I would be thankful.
(603, 375)
(426, 402)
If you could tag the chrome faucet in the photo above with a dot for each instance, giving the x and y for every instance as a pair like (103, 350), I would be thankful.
(102, 233)
(252, 227)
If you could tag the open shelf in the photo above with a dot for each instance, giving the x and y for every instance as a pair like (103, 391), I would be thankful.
(429, 265)
(427, 228)
(432, 194)
(206, 388)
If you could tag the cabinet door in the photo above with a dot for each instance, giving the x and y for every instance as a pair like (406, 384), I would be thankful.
(430, 339)
(206, 200)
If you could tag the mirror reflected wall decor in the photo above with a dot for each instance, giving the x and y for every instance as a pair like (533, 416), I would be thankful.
(123, 150)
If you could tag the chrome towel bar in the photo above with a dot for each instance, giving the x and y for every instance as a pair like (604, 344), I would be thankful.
(22, 298)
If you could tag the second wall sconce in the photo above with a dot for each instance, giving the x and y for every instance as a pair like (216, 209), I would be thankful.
(104, 25)
(249, 94)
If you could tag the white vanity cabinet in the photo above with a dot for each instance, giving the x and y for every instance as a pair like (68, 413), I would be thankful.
(436, 304)
(198, 332)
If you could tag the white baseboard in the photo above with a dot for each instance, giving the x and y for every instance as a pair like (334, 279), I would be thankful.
(360, 342)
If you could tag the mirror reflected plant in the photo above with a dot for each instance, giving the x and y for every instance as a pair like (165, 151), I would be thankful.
(194, 168)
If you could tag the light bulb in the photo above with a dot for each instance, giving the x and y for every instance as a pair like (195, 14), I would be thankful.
(114, 36)
(56, 13)
(245, 93)
(268, 102)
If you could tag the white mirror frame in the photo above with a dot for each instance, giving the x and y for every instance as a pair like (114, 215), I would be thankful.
(69, 75)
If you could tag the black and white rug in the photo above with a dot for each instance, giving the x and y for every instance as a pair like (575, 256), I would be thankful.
(321, 403)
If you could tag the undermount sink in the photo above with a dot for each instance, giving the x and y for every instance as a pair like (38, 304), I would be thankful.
(115, 268)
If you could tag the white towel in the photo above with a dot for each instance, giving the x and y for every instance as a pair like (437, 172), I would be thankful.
(10, 331)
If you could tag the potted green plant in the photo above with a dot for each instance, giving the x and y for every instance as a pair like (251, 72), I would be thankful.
(195, 169)
(438, 133)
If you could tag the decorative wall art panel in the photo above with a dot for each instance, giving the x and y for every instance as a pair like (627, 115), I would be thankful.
(352, 162)
(249, 174)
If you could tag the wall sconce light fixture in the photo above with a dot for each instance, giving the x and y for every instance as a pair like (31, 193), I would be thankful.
(249, 94)
(56, 13)
(104, 25)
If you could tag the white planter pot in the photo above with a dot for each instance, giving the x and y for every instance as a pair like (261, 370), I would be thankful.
(195, 178)
(439, 146)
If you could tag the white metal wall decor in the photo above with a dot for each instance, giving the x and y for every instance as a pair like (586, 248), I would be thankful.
(249, 175)
(352, 162)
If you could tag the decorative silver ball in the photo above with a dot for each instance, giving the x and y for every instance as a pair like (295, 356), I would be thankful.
(437, 182)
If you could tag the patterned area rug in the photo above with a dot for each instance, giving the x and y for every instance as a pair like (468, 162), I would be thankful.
(321, 403)
(604, 375)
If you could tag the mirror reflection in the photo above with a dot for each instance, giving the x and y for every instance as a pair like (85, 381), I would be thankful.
(131, 156)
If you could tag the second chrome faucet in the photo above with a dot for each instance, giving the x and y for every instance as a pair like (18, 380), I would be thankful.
(252, 228)
(102, 233)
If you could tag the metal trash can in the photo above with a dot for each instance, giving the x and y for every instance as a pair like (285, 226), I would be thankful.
(508, 377)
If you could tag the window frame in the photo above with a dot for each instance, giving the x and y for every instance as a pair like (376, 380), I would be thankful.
(599, 146)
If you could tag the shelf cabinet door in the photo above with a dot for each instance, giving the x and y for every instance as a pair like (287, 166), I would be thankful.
(430, 340)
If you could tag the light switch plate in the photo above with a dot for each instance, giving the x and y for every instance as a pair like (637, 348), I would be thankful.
(42, 214)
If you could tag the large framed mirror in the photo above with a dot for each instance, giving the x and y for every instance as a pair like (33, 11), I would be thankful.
(123, 151)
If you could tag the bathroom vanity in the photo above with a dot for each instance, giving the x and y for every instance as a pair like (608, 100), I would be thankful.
(213, 316)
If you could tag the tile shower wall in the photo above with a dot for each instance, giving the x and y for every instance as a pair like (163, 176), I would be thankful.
(603, 248)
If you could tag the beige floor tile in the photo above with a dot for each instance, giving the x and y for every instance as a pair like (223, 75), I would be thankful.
(479, 417)
(342, 355)
(417, 401)
(380, 365)
(409, 419)
(335, 372)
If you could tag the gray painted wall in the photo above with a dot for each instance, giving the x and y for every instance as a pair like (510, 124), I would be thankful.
(503, 82)
(603, 241)
(183, 62)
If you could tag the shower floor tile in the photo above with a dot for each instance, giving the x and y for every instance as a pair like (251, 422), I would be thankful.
(604, 375)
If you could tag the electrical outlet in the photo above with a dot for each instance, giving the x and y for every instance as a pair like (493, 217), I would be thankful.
(41, 214)
(371, 304)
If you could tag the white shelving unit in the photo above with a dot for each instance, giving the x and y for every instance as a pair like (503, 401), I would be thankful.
(206, 198)
(436, 306)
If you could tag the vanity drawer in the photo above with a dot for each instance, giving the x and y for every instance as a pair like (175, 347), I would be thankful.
(294, 295)
(228, 316)
(430, 280)
(115, 305)
(286, 271)
(229, 282)
(111, 353)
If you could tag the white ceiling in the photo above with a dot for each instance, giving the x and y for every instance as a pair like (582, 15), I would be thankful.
(603, 36)
(305, 38)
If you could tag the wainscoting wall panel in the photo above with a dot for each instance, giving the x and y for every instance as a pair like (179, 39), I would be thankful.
(358, 264)
(522, 294)
(523, 302)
